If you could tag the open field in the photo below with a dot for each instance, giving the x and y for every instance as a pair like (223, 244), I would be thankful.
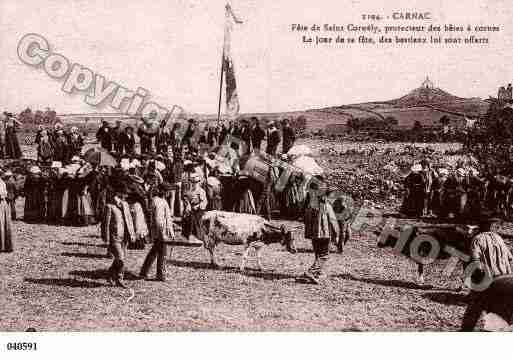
(54, 281)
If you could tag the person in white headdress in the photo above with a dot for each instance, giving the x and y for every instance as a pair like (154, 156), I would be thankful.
(76, 142)
(6, 231)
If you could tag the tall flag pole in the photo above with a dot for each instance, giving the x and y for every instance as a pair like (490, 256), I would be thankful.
(227, 69)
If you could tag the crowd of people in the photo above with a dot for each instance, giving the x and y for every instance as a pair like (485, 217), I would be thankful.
(136, 197)
(192, 172)
(460, 192)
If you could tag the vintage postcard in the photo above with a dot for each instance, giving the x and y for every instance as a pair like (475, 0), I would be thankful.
(255, 166)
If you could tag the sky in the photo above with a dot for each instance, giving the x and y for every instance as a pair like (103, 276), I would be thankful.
(173, 49)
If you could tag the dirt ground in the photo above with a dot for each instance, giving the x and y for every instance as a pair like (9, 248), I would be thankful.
(55, 281)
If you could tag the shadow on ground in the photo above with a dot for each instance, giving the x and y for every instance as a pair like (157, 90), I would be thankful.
(249, 272)
(65, 282)
(84, 244)
(85, 255)
(447, 298)
(385, 282)
(102, 274)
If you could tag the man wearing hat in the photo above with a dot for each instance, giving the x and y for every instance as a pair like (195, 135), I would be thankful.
(273, 139)
(127, 141)
(118, 229)
(195, 203)
(257, 134)
(116, 133)
(492, 280)
(104, 136)
(289, 136)
(161, 231)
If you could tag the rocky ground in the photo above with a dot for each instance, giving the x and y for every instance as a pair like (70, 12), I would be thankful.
(55, 281)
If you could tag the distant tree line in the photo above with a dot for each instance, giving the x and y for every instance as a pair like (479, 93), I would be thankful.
(491, 140)
(38, 117)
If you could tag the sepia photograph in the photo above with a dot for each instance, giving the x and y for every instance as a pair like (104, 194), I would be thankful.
(255, 166)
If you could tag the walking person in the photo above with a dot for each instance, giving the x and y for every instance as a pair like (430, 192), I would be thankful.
(118, 231)
(161, 231)
(320, 226)
(493, 259)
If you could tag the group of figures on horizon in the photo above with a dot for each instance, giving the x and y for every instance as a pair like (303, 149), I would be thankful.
(459, 193)
(250, 132)
(505, 93)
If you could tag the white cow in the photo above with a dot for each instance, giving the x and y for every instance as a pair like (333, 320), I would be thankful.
(251, 231)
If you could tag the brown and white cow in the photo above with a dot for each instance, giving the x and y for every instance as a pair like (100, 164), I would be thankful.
(263, 233)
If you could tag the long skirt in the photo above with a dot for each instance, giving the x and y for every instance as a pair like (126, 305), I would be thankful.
(34, 206)
(85, 211)
(140, 226)
(12, 146)
(6, 232)
(55, 206)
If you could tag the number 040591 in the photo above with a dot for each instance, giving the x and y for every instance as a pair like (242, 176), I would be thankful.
(22, 346)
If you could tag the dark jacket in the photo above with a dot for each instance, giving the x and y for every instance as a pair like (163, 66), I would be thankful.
(289, 137)
(128, 143)
(257, 137)
(104, 136)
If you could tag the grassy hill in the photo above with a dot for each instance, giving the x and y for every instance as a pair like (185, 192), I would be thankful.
(426, 104)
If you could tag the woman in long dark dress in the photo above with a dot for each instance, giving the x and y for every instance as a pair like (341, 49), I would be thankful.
(6, 232)
(34, 196)
(12, 146)
(413, 201)
(54, 196)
